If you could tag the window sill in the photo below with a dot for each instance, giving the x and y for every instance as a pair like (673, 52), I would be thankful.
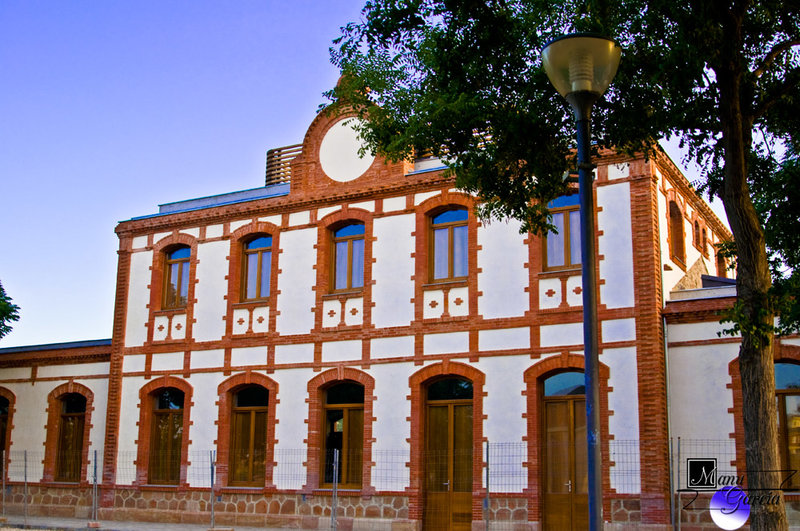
(346, 294)
(567, 271)
(170, 311)
(252, 303)
(446, 284)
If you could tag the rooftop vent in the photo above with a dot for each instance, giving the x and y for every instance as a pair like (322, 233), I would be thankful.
(279, 168)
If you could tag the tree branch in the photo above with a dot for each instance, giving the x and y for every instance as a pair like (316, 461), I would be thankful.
(773, 54)
(790, 82)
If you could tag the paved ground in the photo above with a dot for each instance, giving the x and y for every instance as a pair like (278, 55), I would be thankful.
(15, 522)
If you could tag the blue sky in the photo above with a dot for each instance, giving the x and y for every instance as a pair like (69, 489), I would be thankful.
(109, 108)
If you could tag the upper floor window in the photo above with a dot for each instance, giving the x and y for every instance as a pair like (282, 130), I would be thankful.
(563, 247)
(677, 249)
(348, 266)
(69, 452)
(787, 391)
(167, 436)
(176, 291)
(257, 260)
(449, 245)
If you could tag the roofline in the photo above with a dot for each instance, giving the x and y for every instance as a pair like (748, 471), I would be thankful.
(57, 346)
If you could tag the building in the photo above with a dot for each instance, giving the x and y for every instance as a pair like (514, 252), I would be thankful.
(352, 325)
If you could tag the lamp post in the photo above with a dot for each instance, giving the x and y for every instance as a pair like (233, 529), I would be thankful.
(581, 66)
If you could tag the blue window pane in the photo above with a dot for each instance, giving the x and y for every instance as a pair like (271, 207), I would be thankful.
(341, 265)
(787, 376)
(564, 383)
(266, 259)
(575, 237)
(252, 276)
(181, 252)
(449, 216)
(555, 242)
(358, 264)
(184, 291)
(350, 230)
(261, 242)
(460, 251)
(564, 201)
(441, 263)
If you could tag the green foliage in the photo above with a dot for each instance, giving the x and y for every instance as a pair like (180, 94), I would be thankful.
(8, 312)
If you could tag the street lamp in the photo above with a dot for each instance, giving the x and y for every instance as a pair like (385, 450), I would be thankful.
(581, 66)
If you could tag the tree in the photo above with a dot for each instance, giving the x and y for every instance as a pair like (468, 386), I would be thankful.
(8, 312)
(463, 79)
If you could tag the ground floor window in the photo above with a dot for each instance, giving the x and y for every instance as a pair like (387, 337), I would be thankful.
(166, 437)
(344, 433)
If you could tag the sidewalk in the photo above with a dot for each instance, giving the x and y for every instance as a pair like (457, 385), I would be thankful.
(59, 524)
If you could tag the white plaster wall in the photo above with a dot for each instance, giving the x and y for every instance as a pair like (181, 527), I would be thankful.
(82, 369)
(29, 432)
(618, 330)
(392, 204)
(504, 338)
(341, 350)
(561, 334)
(203, 430)
(391, 347)
(502, 274)
(128, 429)
(97, 435)
(300, 218)
(133, 362)
(446, 343)
(616, 245)
(292, 428)
(296, 280)
(364, 205)
(297, 353)
(204, 359)
(238, 223)
(138, 298)
(13, 373)
(699, 399)
(249, 356)
(695, 331)
(623, 425)
(214, 231)
(139, 242)
(210, 290)
(391, 429)
(419, 198)
(172, 361)
(393, 290)
(504, 406)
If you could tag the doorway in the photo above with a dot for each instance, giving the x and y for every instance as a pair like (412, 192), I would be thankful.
(448, 456)
(566, 501)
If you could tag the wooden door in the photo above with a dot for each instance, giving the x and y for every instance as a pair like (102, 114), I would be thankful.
(448, 466)
(566, 502)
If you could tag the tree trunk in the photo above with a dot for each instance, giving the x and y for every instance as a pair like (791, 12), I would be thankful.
(753, 281)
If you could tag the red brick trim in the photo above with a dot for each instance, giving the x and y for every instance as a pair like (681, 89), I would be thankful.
(146, 424)
(12, 402)
(53, 418)
(534, 394)
(226, 390)
(418, 382)
(236, 272)
(316, 389)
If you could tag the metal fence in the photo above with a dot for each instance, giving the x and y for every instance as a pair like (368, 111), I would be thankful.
(505, 480)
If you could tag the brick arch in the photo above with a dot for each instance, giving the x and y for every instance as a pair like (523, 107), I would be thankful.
(146, 424)
(676, 236)
(226, 390)
(417, 383)
(12, 403)
(534, 392)
(53, 420)
(781, 353)
(316, 387)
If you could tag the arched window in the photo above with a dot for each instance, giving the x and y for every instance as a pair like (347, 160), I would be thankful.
(696, 234)
(257, 261)
(787, 391)
(704, 242)
(249, 436)
(166, 436)
(676, 245)
(5, 407)
(176, 279)
(449, 243)
(563, 247)
(348, 263)
(343, 431)
(69, 451)
(722, 265)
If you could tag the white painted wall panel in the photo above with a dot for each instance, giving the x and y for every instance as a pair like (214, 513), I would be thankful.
(694, 331)
(296, 280)
(133, 362)
(391, 204)
(391, 347)
(341, 351)
(393, 290)
(446, 343)
(214, 231)
(616, 245)
(128, 430)
(299, 218)
(618, 330)
(203, 430)
(623, 425)
(292, 430)
(562, 334)
(298, 353)
(205, 359)
(249, 356)
(503, 276)
(82, 369)
(210, 290)
(30, 419)
(391, 428)
(138, 299)
(172, 361)
(504, 338)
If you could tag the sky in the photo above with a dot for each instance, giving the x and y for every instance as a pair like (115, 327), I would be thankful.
(108, 109)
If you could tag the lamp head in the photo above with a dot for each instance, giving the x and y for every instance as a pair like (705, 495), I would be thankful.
(581, 62)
